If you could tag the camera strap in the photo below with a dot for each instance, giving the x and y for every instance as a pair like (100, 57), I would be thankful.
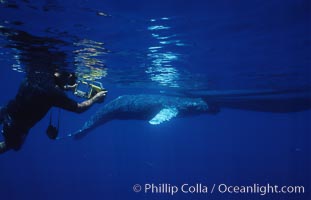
(52, 131)
(58, 119)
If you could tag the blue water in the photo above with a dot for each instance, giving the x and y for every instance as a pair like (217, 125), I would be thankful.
(167, 47)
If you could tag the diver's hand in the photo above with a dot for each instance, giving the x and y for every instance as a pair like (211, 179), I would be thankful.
(100, 96)
(70, 87)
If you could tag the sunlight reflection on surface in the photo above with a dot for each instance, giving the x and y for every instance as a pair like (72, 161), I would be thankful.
(161, 69)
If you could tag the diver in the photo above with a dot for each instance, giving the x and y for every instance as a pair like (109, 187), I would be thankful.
(32, 102)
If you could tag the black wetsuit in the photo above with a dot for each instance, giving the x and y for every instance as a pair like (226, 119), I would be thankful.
(30, 105)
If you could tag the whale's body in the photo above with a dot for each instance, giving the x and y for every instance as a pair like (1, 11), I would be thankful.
(160, 108)
(154, 108)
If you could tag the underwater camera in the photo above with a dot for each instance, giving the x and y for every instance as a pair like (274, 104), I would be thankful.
(88, 90)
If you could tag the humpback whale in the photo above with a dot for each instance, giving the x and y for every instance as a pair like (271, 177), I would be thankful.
(154, 108)
(161, 108)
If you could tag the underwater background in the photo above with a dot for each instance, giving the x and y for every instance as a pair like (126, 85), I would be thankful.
(160, 47)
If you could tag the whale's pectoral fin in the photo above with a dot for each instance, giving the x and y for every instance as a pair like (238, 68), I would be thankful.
(164, 115)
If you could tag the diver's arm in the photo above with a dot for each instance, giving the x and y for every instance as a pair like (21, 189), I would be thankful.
(85, 105)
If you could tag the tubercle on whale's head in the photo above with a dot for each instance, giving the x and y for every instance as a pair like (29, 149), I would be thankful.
(203, 106)
(192, 106)
(197, 106)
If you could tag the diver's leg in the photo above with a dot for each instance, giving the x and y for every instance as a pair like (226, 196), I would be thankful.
(13, 137)
(1, 115)
(3, 147)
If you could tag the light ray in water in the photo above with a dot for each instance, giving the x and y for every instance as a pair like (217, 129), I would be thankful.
(162, 69)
